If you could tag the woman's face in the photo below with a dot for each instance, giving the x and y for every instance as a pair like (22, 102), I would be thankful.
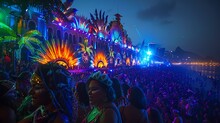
(97, 95)
(40, 95)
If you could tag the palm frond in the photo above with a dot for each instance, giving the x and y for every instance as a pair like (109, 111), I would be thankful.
(6, 30)
(96, 14)
(100, 14)
(8, 38)
(32, 33)
(106, 20)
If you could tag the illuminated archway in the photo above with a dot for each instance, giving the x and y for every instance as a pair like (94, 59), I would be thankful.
(100, 60)
(100, 64)
(62, 63)
(118, 60)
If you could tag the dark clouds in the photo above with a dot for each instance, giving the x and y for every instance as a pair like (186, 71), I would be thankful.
(159, 11)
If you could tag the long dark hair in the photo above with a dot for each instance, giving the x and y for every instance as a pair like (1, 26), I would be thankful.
(57, 81)
(137, 97)
(82, 93)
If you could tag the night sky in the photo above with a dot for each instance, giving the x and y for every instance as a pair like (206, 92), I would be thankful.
(194, 25)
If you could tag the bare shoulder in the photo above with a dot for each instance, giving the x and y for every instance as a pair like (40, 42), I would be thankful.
(108, 116)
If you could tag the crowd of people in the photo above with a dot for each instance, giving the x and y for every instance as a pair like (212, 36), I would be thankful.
(49, 93)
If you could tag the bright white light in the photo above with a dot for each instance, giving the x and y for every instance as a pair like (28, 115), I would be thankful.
(60, 24)
(132, 48)
(149, 53)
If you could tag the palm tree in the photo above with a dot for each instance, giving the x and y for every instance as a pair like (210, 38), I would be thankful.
(85, 49)
(26, 40)
(6, 31)
(8, 35)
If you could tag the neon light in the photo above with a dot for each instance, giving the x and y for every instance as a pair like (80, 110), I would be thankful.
(100, 60)
(80, 24)
(128, 61)
(149, 53)
(54, 52)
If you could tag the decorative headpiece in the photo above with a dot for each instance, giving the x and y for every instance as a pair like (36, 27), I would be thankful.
(102, 78)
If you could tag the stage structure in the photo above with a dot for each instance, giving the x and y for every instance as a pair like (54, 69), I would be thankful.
(65, 37)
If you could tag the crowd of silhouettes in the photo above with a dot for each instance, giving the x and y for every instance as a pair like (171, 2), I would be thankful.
(49, 93)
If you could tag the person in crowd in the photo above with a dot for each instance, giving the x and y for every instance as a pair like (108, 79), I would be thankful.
(120, 99)
(101, 97)
(177, 117)
(23, 85)
(51, 91)
(125, 88)
(154, 115)
(83, 101)
(4, 75)
(135, 111)
(7, 62)
(7, 102)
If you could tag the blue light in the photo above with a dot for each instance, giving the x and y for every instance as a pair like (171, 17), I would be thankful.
(149, 53)
(101, 35)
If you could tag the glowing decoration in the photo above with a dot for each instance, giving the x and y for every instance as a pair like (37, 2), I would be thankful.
(128, 62)
(116, 31)
(133, 62)
(116, 37)
(111, 56)
(98, 24)
(80, 24)
(26, 40)
(86, 50)
(3, 14)
(118, 60)
(6, 30)
(101, 35)
(149, 53)
(58, 19)
(57, 51)
(111, 53)
(100, 60)
(63, 11)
